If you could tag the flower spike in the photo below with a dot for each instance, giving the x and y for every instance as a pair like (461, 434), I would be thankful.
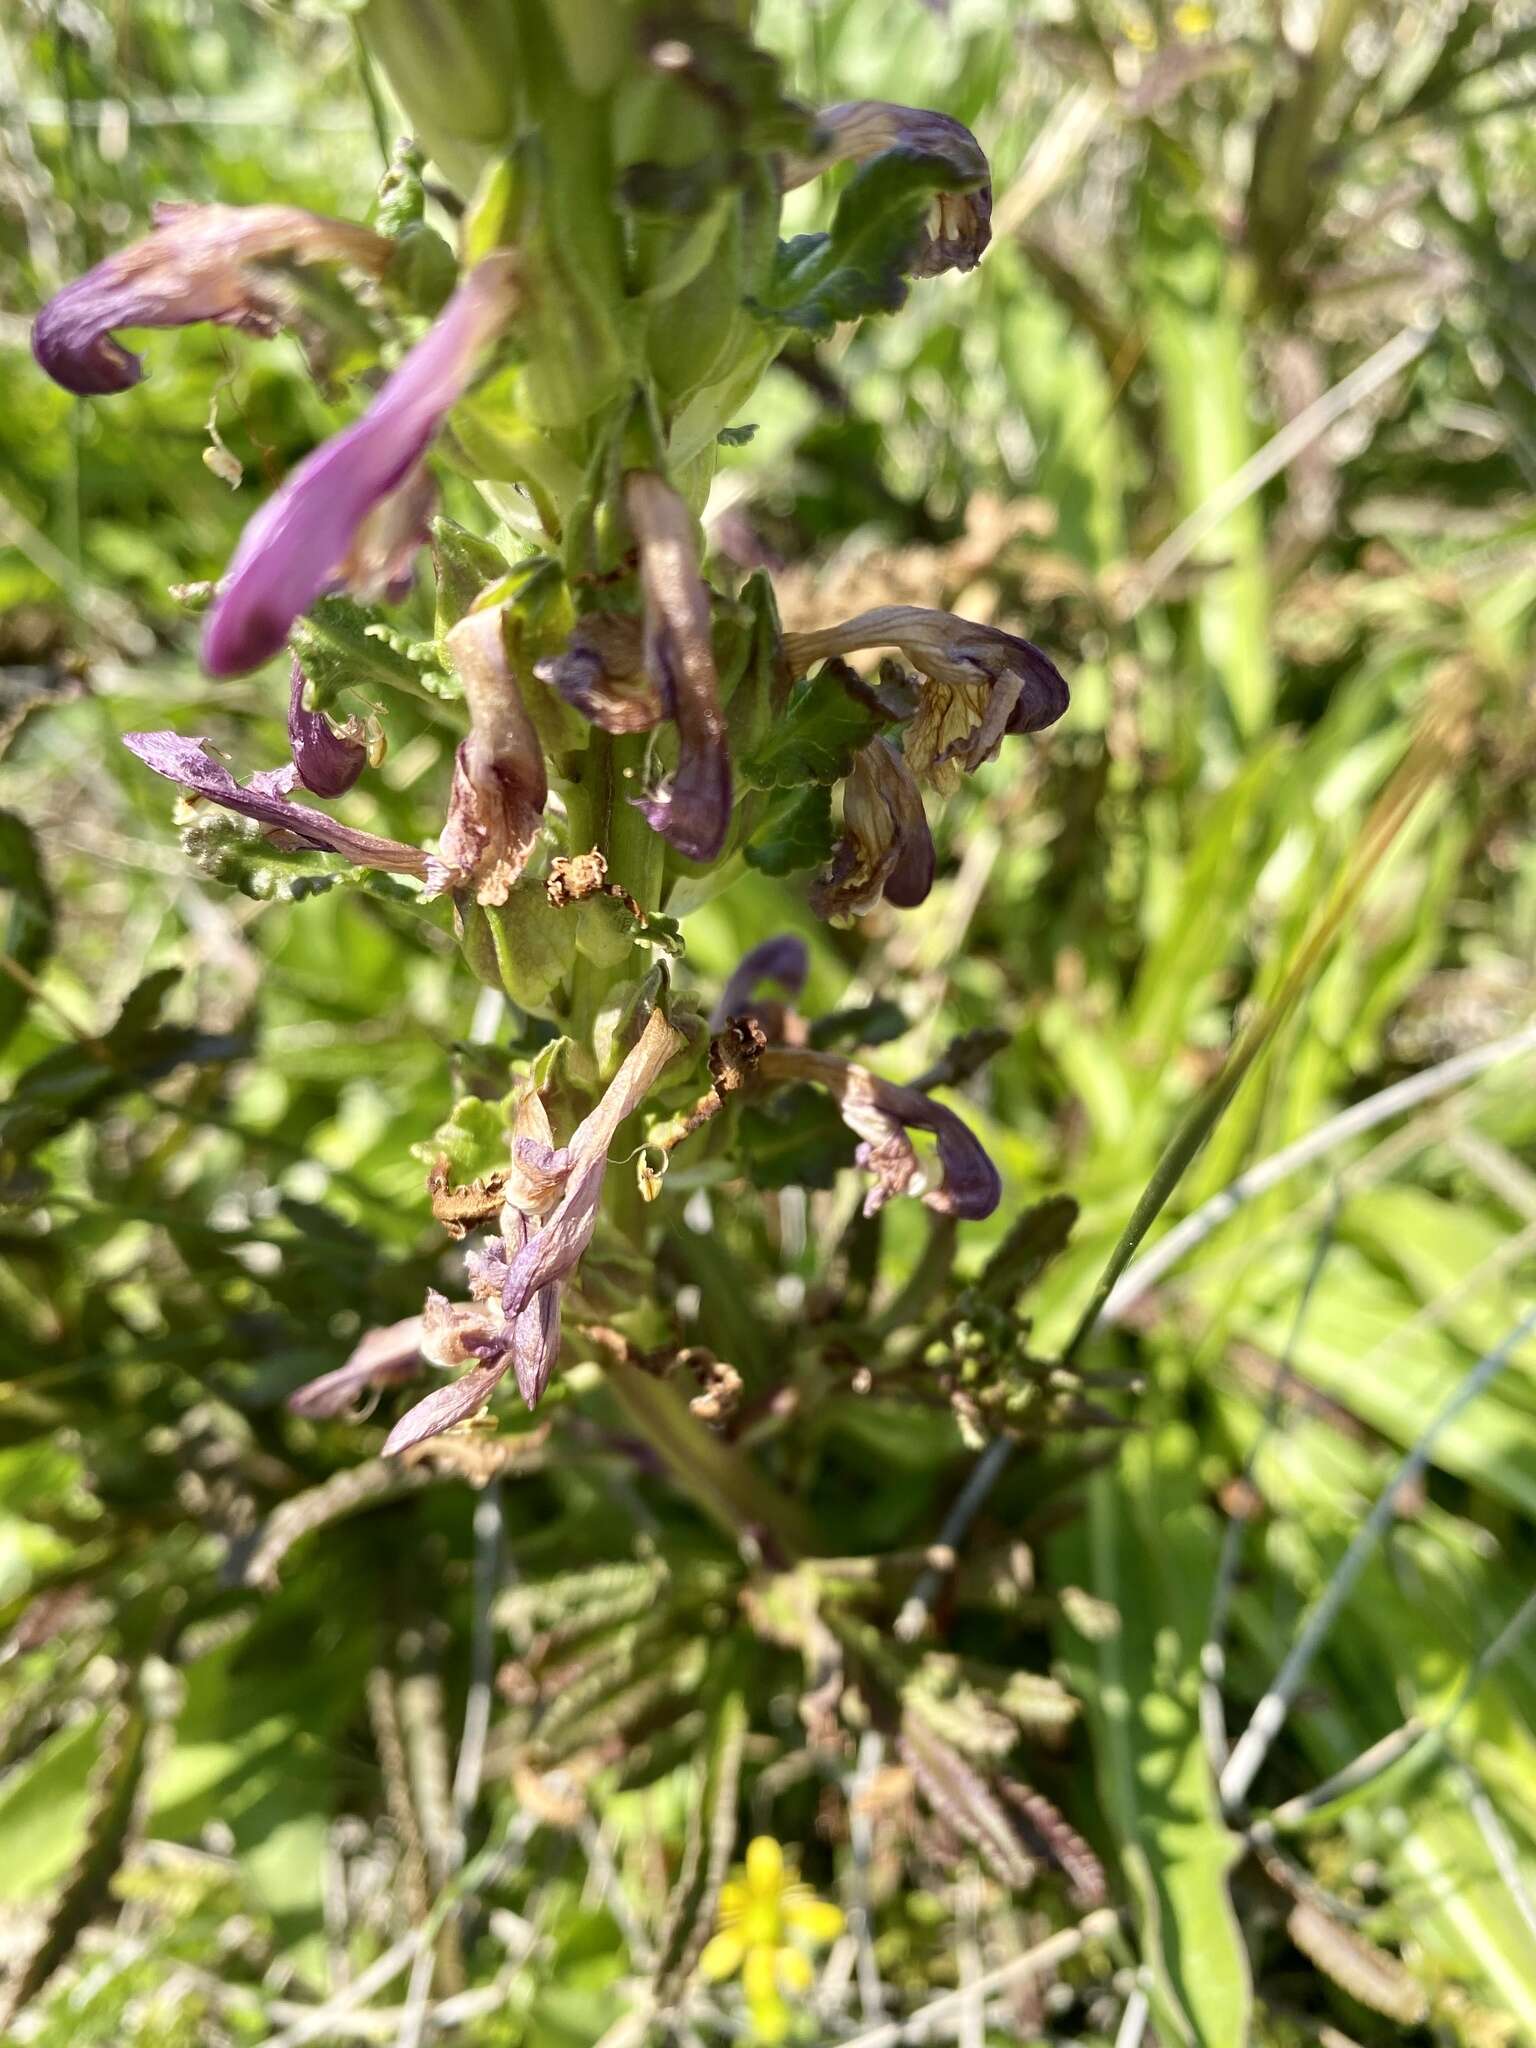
(298, 545)
(198, 263)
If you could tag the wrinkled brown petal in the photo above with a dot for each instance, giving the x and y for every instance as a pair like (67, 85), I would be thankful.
(382, 1358)
(198, 263)
(326, 761)
(601, 672)
(960, 226)
(500, 786)
(886, 848)
(785, 959)
(568, 1231)
(694, 814)
(881, 1113)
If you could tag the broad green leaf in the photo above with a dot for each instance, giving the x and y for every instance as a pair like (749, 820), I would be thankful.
(822, 728)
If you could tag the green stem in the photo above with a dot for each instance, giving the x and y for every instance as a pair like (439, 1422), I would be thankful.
(724, 1483)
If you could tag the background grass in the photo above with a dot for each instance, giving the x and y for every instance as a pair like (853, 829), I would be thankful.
(1281, 837)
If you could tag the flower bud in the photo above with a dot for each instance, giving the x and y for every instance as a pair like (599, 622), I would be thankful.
(325, 760)
(453, 65)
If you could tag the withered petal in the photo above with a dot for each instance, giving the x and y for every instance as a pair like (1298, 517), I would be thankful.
(600, 672)
(880, 1113)
(381, 1358)
(190, 763)
(198, 263)
(566, 1234)
(500, 782)
(694, 813)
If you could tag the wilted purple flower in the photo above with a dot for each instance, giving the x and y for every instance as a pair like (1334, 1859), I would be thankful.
(881, 1113)
(960, 226)
(326, 761)
(886, 848)
(500, 784)
(601, 672)
(582, 1163)
(551, 1195)
(190, 763)
(694, 814)
(382, 1358)
(979, 684)
(298, 545)
(199, 263)
(785, 959)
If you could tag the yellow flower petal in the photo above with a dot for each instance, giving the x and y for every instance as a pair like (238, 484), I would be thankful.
(733, 1901)
(795, 1973)
(765, 1866)
(722, 1957)
(759, 1976)
(770, 2019)
(817, 1919)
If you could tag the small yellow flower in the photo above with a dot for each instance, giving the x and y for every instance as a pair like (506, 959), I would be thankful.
(1192, 20)
(760, 1913)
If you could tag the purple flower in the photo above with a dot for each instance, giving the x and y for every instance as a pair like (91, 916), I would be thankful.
(785, 959)
(886, 848)
(500, 784)
(977, 683)
(199, 263)
(960, 226)
(382, 1358)
(694, 814)
(190, 763)
(300, 542)
(326, 761)
(881, 1113)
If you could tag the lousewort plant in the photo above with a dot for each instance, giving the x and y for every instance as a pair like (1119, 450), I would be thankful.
(633, 737)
